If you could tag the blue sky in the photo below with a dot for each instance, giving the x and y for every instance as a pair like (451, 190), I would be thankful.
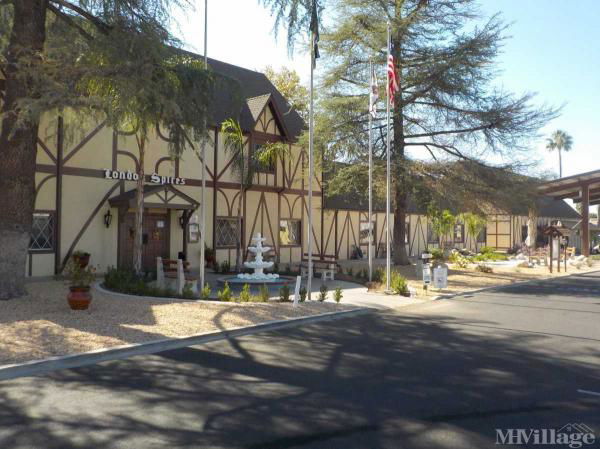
(554, 50)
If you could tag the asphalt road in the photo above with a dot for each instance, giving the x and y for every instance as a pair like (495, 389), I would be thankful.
(444, 374)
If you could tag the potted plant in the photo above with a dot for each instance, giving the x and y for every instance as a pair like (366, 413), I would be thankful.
(209, 256)
(82, 258)
(80, 280)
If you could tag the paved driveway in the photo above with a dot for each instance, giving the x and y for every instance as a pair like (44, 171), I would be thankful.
(443, 374)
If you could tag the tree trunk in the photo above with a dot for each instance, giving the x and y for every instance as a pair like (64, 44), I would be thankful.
(18, 147)
(238, 249)
(532, 228)
(139, 209)
(559, 163)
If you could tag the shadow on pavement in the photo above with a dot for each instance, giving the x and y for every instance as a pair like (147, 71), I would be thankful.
(376, 381)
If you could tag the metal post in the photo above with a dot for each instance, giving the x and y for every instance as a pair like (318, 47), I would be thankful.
(310, 163)
(388, 270)
(370, 175)
(203, 157)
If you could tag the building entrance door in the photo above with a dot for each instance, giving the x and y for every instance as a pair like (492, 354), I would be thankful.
(155, 240)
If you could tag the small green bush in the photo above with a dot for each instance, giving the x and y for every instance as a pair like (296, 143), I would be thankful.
(459, 260)
(487, 250)
(225, 267)
(398, 284)
(323, 292)
(205, 292)
(225, 295)
(437, 255)
(245, 293)
(187, 292)
(378, 275)
(303, 294)
(484, 268)
(337, 295)
(284, 294)
(263, 293)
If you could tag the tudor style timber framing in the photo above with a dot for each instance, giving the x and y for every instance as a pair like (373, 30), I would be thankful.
(72, 187)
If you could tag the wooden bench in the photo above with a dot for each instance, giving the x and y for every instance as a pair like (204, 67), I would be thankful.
(326, 265)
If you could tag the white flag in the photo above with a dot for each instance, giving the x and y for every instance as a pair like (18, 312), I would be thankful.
(374, 94)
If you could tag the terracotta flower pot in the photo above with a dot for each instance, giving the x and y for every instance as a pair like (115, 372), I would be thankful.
(83, 261)
(79, 298)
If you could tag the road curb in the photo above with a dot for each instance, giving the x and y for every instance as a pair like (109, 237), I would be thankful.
(530, 281)
(43, 366)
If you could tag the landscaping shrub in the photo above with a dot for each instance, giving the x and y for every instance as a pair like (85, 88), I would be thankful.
(245, 293)
(398, 284)
(263, 293)
(303, 294)
(205, 292)
(378, 275)
(284, 294)
(337, 294)
(187, 292)
(225, 267)
(225, 294)
(437, 255)
(458, 259)
(490, 257)
(125, 280)
(484, 268)
(323, 293)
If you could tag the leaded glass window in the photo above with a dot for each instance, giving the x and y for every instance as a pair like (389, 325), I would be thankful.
(42, 232)
(226, 232)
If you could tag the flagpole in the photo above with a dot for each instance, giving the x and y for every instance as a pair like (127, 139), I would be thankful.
(310, 163)
(370, 173)
(203, 156)
(388, 269)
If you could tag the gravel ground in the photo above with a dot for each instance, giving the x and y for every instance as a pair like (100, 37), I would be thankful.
(42, 325)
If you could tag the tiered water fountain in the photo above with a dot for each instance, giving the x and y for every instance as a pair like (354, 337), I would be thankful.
(258, 277)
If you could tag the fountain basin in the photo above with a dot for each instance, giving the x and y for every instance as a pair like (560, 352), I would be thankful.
(235, 281)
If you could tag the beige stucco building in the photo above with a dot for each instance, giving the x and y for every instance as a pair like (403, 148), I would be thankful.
(85, 192)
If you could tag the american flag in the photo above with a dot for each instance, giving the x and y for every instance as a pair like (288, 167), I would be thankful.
(392, 79)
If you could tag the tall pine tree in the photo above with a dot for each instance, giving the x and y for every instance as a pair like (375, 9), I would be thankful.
(448, 118)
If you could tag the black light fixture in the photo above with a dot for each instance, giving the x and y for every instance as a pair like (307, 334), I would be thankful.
(182, 221)
(107, 218)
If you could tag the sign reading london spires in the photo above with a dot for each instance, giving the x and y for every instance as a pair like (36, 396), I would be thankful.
(155, 178)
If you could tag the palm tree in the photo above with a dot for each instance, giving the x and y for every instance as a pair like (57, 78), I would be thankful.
(245, 166)
(560, 141)
(234, 143)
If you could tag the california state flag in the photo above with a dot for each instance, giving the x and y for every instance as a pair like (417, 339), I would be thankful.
(374, 94)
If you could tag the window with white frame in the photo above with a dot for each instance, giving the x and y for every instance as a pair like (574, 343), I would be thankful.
(290, 232)
(42, 232)
(226, 232)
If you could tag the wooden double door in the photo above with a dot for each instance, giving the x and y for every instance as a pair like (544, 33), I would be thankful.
(155, 239)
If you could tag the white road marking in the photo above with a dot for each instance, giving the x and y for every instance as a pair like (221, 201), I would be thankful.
(593, 393)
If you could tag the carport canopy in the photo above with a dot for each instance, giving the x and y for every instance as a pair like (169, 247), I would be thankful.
(583, 188)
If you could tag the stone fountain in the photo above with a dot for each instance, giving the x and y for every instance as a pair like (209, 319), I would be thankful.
(258, 264)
